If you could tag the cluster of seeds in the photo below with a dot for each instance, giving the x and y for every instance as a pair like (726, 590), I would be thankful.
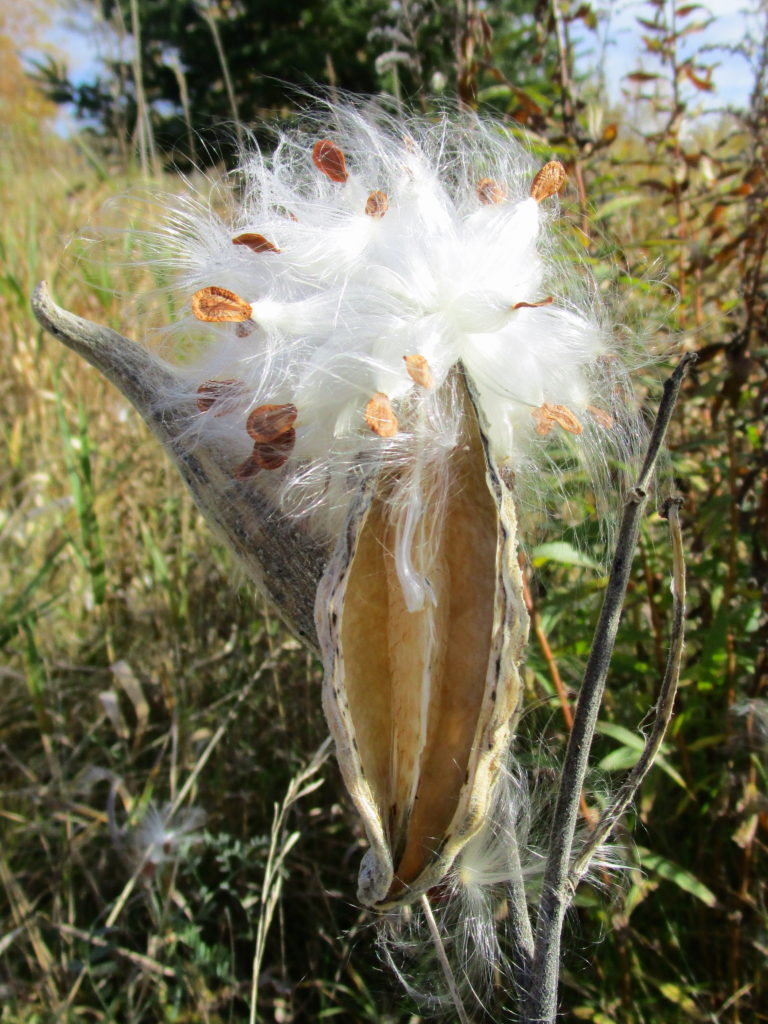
(271, 426)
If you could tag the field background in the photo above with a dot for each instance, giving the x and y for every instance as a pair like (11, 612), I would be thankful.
(136, 668)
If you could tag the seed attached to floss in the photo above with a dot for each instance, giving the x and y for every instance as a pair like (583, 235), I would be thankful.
(329, 159)
(534, 305)
(419, 371)
(601, 416)
(274, 454)
(247, 470)
(549, 180)
(216, 392)
(271, 427)
(219, 305)
(490, 192)
(255, 242)
(377, 205)
(380, 417)
(547, 415)
(266, 424)
(271, 455)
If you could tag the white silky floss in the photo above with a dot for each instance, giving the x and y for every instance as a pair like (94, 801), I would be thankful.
(353, 248)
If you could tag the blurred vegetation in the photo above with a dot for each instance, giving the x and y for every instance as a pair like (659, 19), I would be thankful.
(136, 668)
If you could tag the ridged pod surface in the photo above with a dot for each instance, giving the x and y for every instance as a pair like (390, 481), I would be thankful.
(421, 703)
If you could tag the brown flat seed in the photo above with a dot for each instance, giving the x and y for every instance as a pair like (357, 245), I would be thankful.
(544, 422)
(213, 392)
(275, 454)
(219, 305)
(534, 305)
(245, 328)
(268, 422)
(491, 192)
(547, 415)
(419, 371)
(256, 243)
(601, 416)
(377, 205)
(380, 417)
(549, 180)
(248, 469)
(329, 159)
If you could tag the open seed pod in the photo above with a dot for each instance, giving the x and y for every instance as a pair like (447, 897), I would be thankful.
(375, 331)
(421, 702)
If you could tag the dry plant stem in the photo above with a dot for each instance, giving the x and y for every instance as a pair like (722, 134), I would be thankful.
(520, 920)
(278, 553)
(564, 51)
(442, 956)
(554, 673)
(664, 705)
(541, 1004)
(280, 845)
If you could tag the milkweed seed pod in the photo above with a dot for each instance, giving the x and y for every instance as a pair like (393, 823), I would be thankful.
(385, 334)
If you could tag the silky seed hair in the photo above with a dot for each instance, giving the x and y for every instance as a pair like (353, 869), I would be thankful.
(346, 272)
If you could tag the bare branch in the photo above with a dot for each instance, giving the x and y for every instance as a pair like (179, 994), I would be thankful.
(664, 705)
(556, 893)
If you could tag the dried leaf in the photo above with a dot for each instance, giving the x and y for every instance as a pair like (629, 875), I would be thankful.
(641, 76)
(268, 422)
(377, 204)
(219, 305)
(380, 417)
(702, 84)
(549, 180)
(329, 159)
(419, 371)
(255, 242)
(490, 192)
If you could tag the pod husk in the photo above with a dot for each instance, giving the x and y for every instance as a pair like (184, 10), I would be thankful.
(421, 704)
